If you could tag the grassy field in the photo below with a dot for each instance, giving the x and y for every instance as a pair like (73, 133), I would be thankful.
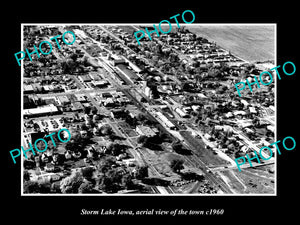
(250, 42)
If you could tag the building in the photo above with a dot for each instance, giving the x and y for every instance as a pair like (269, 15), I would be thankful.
(180, 112)
(49, 100)
(49, 167)
(100, 83)
(80, 97)
(143, 130)
(77, 106)
(165, 120)
(94, 76)
(27, 89)
(134, 113)
(252, 110)
(62, 100)
(117, 60)
(84, 78)
(148, 92)
(41, 111)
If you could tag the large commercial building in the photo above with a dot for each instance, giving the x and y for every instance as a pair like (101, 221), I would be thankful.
(165, 120)
(41, 111)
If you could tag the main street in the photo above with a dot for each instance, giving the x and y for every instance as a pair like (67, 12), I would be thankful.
(217, 181)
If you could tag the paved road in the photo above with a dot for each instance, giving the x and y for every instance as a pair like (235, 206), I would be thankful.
(244, 166)
(206, 170)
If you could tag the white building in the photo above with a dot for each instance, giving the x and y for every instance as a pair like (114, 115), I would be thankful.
(165, 120)
(42, 110)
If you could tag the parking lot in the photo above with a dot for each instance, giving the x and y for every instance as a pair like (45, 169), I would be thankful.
(51, 123)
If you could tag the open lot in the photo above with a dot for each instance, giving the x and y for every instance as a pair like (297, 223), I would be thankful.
(249, 181)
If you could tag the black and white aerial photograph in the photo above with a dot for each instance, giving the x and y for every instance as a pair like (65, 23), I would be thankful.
(148, 116)
(128, 113)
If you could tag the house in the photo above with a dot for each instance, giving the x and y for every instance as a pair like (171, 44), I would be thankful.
(77, 106)
(28, 89)
(54, 177)
(129, 162)
(100, 83)
(49, 167)
(80, 97)
(68, 155)
(252, 110)
(62, 100)
(85, 78)
(181, 112)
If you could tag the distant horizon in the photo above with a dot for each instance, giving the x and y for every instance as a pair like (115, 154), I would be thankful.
(250, 42)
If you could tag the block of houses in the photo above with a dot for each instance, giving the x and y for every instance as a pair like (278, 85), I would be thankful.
(49, 167)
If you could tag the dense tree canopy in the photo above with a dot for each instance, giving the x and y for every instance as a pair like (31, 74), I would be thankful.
(72, 183)
(176, 165)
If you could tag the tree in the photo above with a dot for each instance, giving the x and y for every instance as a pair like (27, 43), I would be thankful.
(126, 181)
(87, 173)
(73, 146)
(86, 187)
(26, 175)
(177, 147)
(106, 184)
(87, 110)
(142, 139)
(31, 187)
(115, 148)
(131, 121)
(105, 164)
(176, 165)
(141, 117)
(45, 188)
(83, 126)
(28, 164)
(141, 172)
(74, 57)
(72, 183)
(213, 72)
(106, 130)
(94, 110)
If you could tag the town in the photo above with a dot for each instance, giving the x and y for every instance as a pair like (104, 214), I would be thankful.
(158, 117)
